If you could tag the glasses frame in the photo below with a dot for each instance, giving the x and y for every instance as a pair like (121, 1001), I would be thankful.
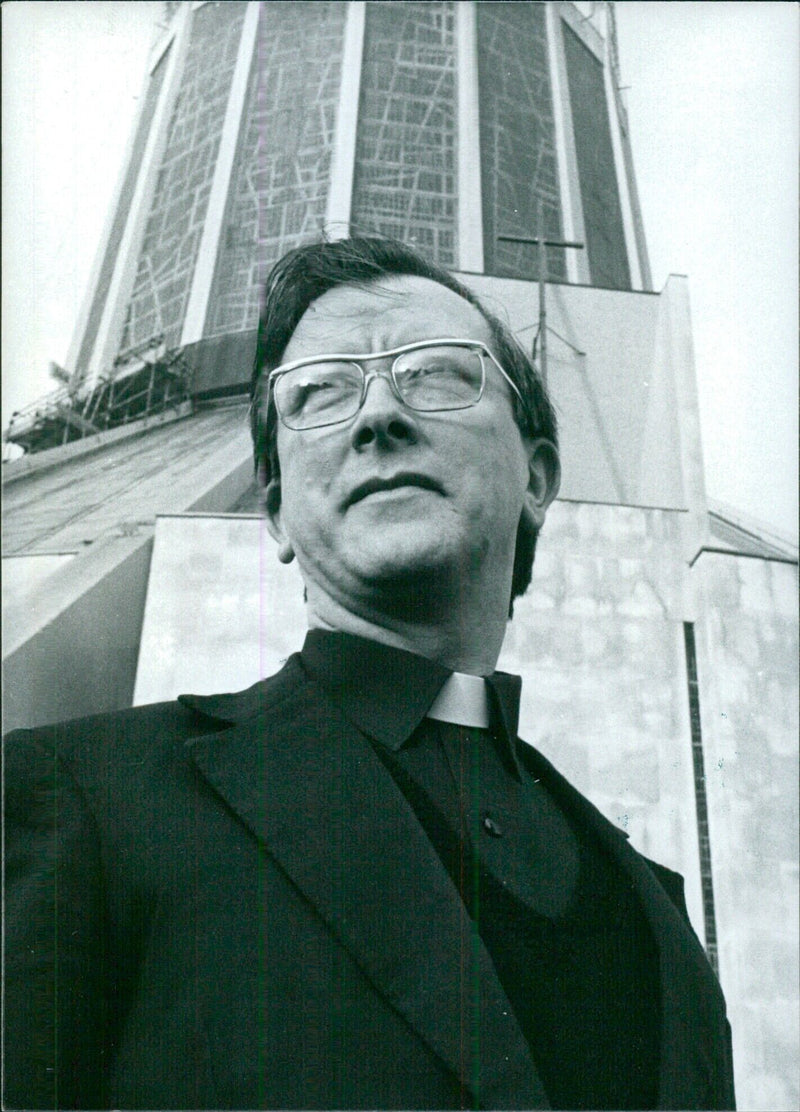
(368, 376)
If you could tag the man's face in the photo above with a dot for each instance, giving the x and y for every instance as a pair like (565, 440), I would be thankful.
(458, 479)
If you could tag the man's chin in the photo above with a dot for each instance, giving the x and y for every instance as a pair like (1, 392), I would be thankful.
(398, 561)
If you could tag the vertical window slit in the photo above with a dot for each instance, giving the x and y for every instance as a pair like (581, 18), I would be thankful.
(701, 802)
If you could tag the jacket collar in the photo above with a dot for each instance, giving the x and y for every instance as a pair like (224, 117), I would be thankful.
(385, 692)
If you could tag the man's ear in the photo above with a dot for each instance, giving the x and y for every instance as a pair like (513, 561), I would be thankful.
(271, 500)
(544, 479)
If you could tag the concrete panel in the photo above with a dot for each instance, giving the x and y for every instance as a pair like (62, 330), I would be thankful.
(221, 612)
(470, 203)
(71, 649)
(616, 359)
(343, 157)
(747, 669)
(23, 575)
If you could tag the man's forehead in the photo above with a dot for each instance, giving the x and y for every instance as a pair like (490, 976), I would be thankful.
(394, 310)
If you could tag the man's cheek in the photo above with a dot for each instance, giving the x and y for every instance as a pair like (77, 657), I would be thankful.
(313, 478)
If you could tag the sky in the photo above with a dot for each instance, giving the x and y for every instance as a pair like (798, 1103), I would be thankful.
(712, 95)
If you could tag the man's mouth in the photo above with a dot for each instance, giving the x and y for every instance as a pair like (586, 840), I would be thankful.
(404, 479)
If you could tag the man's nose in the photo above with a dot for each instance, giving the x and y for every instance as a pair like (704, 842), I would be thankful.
(383, 417)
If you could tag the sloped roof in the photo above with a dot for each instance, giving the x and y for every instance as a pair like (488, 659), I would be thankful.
(72, 502)
(737, 533)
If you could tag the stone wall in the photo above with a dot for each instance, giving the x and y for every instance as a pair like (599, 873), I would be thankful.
(747, 666)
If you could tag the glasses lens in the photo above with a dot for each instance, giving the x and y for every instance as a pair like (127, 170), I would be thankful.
(318, 394)
(439, 377)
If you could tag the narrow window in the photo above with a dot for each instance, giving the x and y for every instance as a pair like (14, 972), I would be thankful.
(701, 803)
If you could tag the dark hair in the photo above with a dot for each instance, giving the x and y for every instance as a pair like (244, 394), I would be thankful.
(306, 273)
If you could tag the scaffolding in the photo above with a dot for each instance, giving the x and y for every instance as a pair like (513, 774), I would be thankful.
(149, 380)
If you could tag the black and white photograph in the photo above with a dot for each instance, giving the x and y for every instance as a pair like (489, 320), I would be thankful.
(400, 555)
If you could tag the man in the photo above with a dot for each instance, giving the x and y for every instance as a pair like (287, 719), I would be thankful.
(351, 886)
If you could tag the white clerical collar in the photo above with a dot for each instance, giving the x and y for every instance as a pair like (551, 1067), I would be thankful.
(462, 700)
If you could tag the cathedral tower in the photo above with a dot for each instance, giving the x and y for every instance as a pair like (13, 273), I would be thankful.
(446, 124)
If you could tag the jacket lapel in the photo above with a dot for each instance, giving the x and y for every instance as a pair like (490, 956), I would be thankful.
(308, 785)
(690, 995)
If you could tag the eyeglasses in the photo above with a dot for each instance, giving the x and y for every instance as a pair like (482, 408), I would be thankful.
(429, 376)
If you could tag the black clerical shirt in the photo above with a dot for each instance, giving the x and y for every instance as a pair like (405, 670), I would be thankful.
(568, 940)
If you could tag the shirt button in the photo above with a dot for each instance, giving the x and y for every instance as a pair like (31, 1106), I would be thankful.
(492, 827)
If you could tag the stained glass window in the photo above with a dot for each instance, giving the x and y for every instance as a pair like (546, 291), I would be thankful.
(175, 224)
(405, 174)
(282, 170)
(517, 141)
(602, 215)
(122, 211)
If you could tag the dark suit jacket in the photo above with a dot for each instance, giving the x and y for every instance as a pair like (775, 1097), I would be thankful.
(226, 902)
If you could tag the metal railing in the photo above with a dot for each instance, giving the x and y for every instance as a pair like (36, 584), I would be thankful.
(147, 381)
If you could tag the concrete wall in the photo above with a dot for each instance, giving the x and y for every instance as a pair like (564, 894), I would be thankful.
(221, 611)
(71, 649)
(621, 373)
(24, 575)
(747, 669)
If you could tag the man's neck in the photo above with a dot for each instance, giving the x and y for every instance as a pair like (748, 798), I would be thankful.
(466, 641)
